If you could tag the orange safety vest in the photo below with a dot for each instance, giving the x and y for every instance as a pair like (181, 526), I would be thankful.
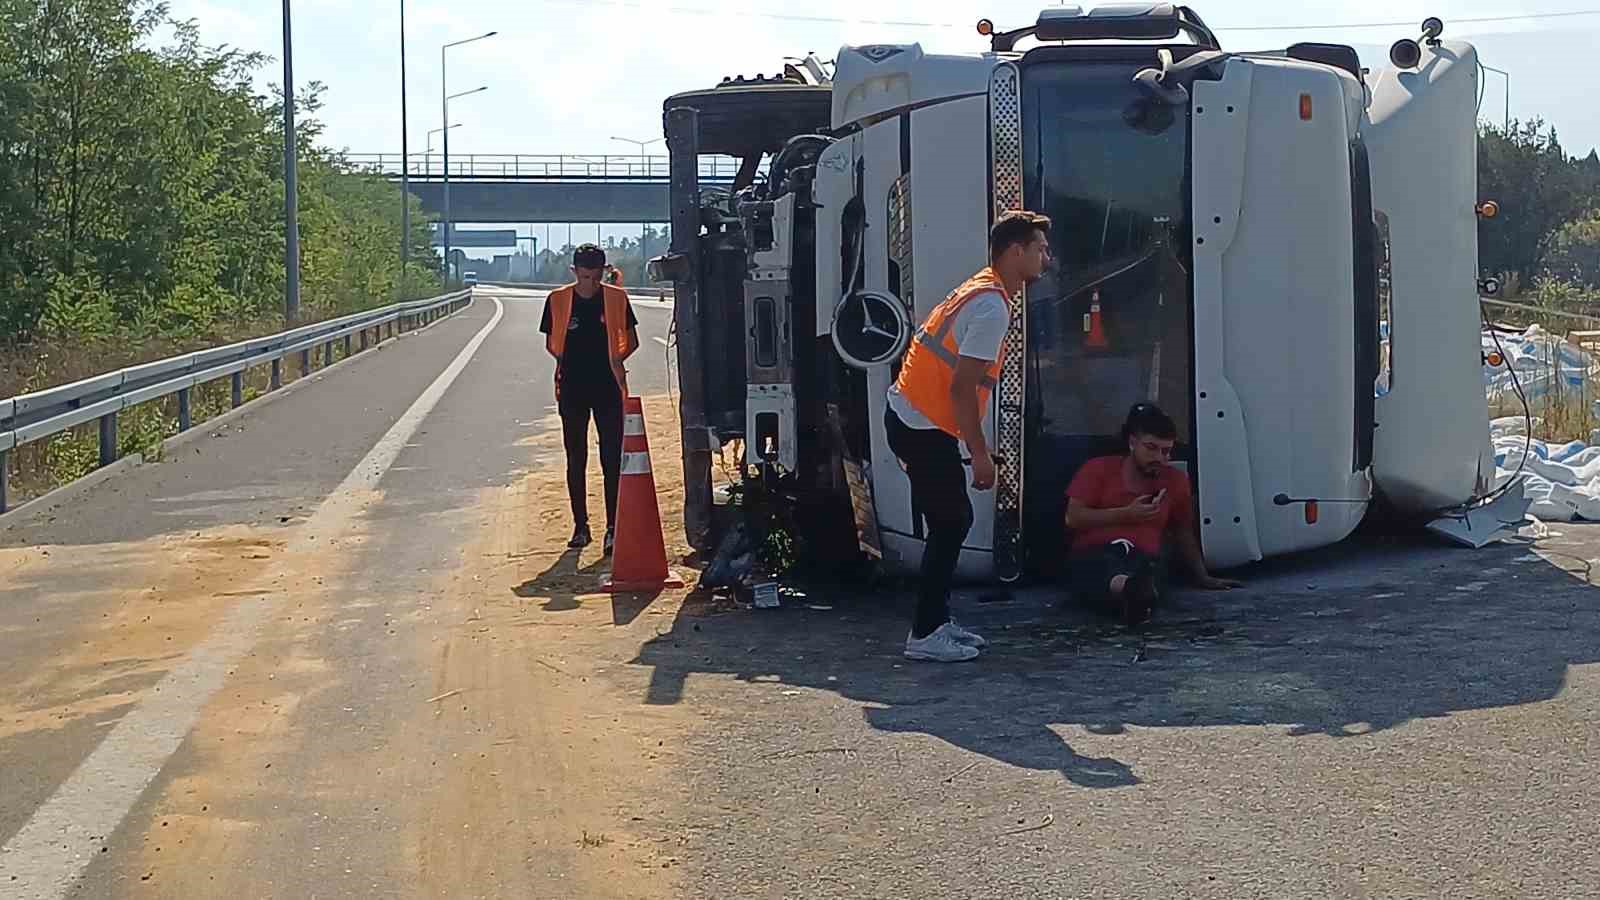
(929, 367)
(615, 315)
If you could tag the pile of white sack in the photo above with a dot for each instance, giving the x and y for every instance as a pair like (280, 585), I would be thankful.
(1562, 480)
(1544, 363)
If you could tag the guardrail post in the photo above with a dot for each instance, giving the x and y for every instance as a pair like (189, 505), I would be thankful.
(238, 389)
(327, 354)
(305, 363)
(277, 373)
(108, 439)
(5, 476)
(347, 344)
(185, 414)
(363, 340)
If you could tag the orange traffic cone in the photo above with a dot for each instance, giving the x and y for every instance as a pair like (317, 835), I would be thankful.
(1091, 324)
(639, 556)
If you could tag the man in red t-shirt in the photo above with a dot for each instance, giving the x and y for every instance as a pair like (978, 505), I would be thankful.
(1119, 511)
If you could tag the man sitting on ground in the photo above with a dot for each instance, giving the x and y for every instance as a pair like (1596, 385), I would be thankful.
(1120, 509)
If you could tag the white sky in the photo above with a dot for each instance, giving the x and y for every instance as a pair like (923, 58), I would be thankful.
(566, 76)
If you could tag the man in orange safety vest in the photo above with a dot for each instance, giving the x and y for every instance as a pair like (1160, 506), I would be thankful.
(591, 331)
(945, 382)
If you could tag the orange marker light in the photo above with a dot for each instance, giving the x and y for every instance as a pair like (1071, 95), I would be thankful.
(985, 27)
(1305, 107)
(1495, 359)
(1311, 512)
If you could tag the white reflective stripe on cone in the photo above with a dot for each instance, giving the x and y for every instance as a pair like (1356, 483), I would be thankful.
(633, 425)
(636, 463)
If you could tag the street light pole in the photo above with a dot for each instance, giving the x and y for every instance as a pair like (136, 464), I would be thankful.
(445, 121)
(447, 262)
(434, 132)
(644, 171)
(291, 199)
(405, 163)
(1508, 95)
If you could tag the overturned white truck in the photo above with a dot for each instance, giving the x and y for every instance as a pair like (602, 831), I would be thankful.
(1230, 229)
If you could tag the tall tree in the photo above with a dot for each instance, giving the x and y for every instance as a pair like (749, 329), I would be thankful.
(1538, 189)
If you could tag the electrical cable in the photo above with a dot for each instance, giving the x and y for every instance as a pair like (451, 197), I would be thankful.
(1527, 416)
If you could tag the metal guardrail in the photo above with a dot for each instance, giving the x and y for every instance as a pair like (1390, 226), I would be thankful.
(534, 167)
(1540, 310)
(42, 414)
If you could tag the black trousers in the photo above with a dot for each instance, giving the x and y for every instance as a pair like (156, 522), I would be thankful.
(576, 408)
(1089, 574)
(939, 494)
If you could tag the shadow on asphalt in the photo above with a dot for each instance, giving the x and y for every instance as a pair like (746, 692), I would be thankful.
(1358, 639)
(560, 586)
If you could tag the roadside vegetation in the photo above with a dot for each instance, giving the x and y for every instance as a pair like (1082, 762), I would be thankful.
(141, 211)
(1544, 246)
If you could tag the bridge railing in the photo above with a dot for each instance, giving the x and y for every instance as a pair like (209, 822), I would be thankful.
(32, 417)
(564, 167)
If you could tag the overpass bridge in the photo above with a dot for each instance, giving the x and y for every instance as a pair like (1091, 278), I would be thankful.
(523, 188)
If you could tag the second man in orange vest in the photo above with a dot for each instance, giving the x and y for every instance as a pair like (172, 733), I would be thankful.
(939, 399)
(591, 330)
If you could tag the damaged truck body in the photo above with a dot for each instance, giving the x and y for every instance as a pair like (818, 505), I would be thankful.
(1234, 233)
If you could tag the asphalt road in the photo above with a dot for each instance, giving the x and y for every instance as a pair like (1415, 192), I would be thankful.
(317, 656)
(121, 588)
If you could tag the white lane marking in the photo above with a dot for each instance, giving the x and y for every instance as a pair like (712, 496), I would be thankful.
(57, 843)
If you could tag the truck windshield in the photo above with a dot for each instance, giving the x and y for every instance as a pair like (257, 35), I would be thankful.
(1109, 326)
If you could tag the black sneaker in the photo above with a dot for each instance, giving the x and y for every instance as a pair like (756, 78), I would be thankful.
(1138, 599)
(580, 538)
(610, 540)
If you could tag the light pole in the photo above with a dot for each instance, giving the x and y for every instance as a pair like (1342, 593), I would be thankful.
(447, 268)
(533, 253)
(1508, 95)
(444, 121)
(434, 132)
(405, 163)
(644, 171)
(291, 199)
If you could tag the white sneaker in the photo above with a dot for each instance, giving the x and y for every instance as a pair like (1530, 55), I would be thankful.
(941, 646)
(967, 637)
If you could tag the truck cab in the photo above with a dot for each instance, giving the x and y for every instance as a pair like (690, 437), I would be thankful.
(1233, 233)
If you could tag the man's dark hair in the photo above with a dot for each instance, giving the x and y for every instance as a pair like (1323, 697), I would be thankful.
(1147, 418)
(1015, 227)
(589, 256)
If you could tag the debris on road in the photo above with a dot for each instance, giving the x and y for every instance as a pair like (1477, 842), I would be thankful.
(445, 696)
(968, 768)
(791, 754)
(1049, 820)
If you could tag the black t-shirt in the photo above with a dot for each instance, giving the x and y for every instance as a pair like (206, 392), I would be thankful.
(585, 362)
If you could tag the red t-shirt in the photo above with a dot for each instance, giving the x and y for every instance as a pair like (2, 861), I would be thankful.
(1100, 484)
